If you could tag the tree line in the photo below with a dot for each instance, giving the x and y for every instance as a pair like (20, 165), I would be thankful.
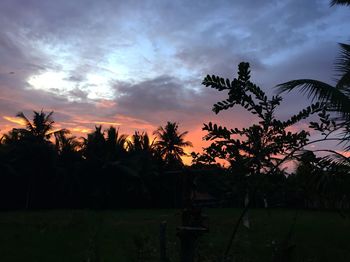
(46, 168)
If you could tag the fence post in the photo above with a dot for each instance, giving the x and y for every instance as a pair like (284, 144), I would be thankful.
(162, 241)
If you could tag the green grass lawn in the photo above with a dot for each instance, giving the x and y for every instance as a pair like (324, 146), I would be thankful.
(132, 235)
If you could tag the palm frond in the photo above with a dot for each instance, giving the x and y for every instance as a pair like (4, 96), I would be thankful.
(320, 91)
(26, 120)
(340, 2)
(335, 158)
(342, 66)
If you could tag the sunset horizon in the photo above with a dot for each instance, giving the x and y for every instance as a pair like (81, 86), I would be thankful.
(91, 65)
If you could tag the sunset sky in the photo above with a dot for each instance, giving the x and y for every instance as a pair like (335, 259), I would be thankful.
(137, 64)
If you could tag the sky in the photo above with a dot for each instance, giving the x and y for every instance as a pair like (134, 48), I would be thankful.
(138, 64)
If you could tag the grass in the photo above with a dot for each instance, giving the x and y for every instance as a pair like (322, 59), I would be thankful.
(132, 235)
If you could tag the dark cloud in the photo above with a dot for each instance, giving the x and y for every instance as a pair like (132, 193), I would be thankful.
(156, 98)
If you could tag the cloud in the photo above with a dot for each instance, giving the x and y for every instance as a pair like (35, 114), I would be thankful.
(164, 93)
(15, 120)
(140, 64)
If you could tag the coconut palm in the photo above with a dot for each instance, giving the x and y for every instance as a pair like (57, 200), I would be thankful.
(337, 97)
(116, 143)
(34, 155)
(40, 129)
(140, 142)
(171, 143)
(94, 146)
(65, 144)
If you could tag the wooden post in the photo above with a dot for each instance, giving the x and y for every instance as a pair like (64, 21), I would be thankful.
(192, 228)
(188, 237)
(162, 241)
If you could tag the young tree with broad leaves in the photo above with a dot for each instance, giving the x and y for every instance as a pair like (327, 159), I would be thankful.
(262, 147)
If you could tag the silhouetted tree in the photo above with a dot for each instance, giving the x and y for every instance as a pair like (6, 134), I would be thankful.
(258, 149)
(335, 98)
(66, 145)
(116, 144)
(40, 129)
(140, 142)
(11, 137)
(170, 144)
(94, 146)
(33, 156)
(262, 147)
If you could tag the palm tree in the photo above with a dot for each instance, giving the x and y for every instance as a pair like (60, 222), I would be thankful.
(140, 142)
(66, 145)
(143, 153)
(94, 146)
(171, 143)
(40, 129)
(337, 97)
(33, 154)
(116, 143)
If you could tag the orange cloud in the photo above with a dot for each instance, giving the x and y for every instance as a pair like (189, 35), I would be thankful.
(91, 122)
(103, 103)
(15, 120)
(344, 153)
(106, 123)
(81, 130)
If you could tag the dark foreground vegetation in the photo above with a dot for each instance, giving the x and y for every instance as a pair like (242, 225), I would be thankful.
(106, 170)
(46, 168)
(132, 235)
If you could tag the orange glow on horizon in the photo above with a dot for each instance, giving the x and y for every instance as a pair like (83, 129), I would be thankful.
(81, 130)
(81, 126)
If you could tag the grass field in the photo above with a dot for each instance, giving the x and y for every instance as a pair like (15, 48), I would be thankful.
(132, 235)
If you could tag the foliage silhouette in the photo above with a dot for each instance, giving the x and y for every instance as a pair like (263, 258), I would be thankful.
(336, 102)
(32, 157)
(44, 168)
(340, 2)
(40, 130)
(262, 147)
(116, 144)
(335, 98)
(170, 144)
